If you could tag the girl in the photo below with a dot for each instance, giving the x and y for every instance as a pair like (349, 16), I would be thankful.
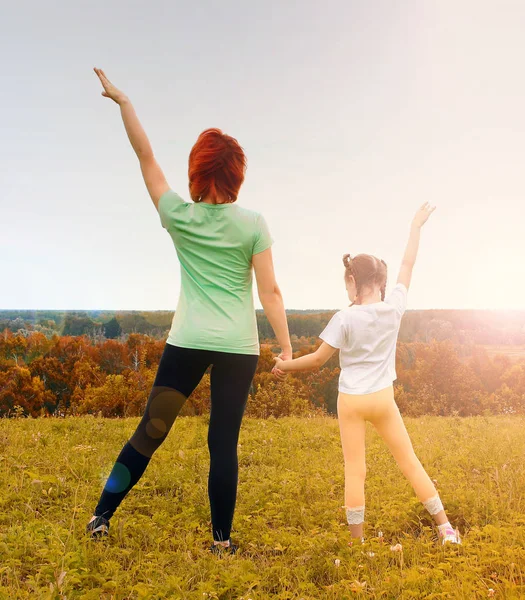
(366, 334)
(217, 243)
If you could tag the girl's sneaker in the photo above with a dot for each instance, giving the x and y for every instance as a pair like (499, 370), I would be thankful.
(449, 535)
(98, 527)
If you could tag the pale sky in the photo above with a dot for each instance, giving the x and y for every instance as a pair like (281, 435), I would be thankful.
(351, 113)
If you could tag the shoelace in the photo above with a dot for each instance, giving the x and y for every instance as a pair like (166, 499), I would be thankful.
(98, 527)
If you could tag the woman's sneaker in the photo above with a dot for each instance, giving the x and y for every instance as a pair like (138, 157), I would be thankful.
(98, 527)
(449, 535)
(219, 549)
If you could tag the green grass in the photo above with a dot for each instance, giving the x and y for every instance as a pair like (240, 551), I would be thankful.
(289, 521)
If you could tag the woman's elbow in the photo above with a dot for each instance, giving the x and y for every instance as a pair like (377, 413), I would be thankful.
(274, 290)
(269, 295)
(145, 156)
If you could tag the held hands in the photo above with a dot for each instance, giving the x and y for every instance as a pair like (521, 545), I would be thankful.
(110, 91)
(422, 215)
(278, 372)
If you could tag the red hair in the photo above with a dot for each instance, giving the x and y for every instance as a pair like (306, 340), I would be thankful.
(216, 167)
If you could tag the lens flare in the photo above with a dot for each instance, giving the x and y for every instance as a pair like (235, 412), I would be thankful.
(119, 479)
(156, 428)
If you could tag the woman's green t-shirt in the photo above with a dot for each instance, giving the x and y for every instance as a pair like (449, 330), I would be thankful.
(215, 244)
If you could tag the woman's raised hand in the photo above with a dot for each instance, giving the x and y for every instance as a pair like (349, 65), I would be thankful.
(423, 214)
(110, 91)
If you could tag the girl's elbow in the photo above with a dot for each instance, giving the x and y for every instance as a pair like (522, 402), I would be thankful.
(318, 361)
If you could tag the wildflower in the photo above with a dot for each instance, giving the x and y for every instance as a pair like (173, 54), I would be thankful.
(379, 534)
(337, 562)
(357, 586)
(371, 554)
(83, 447)
(397, 548)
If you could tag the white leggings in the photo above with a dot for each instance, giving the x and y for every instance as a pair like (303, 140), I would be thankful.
(381, 410)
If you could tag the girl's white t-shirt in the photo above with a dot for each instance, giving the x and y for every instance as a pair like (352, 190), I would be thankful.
(366, 335)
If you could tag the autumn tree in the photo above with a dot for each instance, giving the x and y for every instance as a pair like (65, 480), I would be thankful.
(112, 329)
(19, 388)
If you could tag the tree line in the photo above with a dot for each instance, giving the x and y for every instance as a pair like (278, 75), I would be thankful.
(464, 327)
(74, 375)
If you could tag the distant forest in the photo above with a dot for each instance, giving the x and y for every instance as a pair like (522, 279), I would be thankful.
(465, 327)
(104, 362)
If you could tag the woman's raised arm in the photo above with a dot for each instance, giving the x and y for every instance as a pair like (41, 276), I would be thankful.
(153, 176)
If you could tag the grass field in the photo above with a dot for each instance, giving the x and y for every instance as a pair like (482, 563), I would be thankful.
(289, 521)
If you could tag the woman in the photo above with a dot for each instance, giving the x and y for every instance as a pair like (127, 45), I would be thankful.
(217, 243)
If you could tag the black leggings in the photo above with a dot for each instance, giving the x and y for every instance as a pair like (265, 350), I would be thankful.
(179, 373)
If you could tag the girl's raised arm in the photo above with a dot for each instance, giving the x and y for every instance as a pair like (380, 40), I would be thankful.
(409, 259)
(153, 176)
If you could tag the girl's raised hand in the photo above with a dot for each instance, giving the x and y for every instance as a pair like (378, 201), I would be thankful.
(423, 214)
(110, 91)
